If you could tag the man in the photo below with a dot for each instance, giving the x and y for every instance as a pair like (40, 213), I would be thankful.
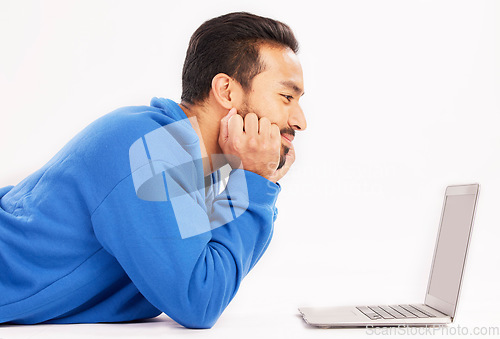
(127, 220)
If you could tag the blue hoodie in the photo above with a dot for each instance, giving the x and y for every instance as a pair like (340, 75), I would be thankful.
(117, 227)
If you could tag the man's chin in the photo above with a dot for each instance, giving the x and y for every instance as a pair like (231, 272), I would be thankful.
(282, 161)
(285, 150)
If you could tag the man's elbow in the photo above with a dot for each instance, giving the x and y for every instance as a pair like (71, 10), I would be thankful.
(198, 320)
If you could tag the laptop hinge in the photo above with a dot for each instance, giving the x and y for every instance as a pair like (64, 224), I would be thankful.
(439, 311)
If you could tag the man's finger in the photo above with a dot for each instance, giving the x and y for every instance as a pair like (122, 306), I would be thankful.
(275, 132)
(224, 124)
(251, 124)
(235, 125)
(265, 127)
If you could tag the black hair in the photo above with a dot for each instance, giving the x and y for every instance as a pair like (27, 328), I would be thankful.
(230, 44)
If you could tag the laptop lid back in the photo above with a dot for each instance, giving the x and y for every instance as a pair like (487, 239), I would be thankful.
(452, 244)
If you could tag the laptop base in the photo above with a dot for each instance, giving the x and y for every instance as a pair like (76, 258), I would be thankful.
(351, 316)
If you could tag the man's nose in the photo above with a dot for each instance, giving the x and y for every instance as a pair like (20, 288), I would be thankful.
(297, 119)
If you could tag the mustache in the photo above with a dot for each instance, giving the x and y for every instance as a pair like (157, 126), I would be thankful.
(288, 130)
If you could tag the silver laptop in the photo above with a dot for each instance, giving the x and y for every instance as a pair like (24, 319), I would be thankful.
(447, 270)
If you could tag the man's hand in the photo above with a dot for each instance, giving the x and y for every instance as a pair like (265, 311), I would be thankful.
(254, 144)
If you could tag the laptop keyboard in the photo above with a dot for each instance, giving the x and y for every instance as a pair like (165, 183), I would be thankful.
(394, 312)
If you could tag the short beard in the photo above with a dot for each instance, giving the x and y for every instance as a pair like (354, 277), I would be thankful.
(283, 156)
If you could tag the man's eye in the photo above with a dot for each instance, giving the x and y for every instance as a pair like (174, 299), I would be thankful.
(287, 97)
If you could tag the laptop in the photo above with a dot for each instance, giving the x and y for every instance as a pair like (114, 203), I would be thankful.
(445, 278)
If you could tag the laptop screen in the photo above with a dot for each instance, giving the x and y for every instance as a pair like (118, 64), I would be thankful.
(451, 249)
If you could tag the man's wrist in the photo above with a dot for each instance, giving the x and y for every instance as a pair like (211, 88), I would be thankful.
(259, 189)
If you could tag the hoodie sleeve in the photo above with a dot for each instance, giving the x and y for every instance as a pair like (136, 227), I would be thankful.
(192, 279)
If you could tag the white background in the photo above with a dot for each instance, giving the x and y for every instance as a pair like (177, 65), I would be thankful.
(402, 99)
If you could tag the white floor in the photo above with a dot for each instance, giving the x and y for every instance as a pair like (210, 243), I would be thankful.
(253, 323)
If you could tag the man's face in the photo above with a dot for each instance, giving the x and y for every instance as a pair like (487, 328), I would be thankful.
(275, 94)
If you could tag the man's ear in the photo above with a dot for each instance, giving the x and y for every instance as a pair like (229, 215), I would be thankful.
(226, 91)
